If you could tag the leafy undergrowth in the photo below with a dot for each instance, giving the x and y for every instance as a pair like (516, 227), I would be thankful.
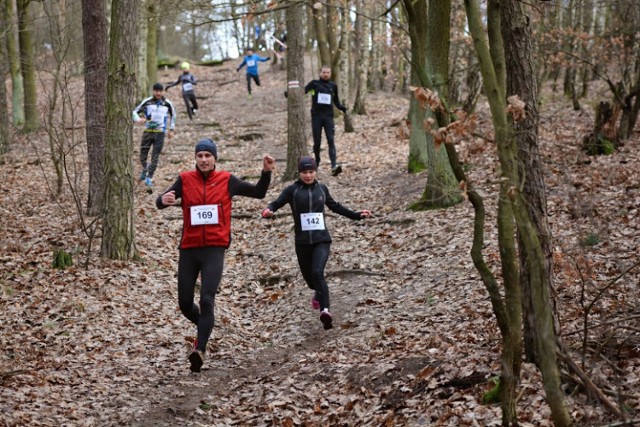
(415, 341)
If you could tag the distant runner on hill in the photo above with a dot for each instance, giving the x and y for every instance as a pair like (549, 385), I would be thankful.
(188, 81)
(251, 61)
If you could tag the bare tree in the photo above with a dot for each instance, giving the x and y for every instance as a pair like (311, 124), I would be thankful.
(118, 231)
(13, 61)
(5, 131)
(429, 57)
(361, 58)
(296, 135)
(514, 215)
(94, 24)
(25, 39)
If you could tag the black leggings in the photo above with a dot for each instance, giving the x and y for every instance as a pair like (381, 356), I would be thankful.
(255, 78)
(155, 141)
(190, 100)
(312, 260)
(319, 122)
(209, 261)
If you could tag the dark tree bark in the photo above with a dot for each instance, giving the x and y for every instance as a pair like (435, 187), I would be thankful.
(5, 130)
(25, 39)
(361, 58)
(153, 16)
(13, 61)
(441, 189)
(94, 26)
(118, 232)
(521, 81)
(296, 111)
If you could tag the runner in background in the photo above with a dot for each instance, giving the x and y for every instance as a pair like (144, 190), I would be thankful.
(188, 81)
(251, 61)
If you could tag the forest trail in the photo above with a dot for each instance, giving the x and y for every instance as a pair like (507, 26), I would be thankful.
(290, 348)
(415, 341)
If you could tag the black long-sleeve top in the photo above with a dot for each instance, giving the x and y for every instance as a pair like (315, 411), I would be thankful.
(305, 198)
(324, 96)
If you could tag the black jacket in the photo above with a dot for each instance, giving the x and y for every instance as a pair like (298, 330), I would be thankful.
(305, 198)
(327, 89)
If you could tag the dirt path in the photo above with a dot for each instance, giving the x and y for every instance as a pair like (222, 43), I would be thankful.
(415, 341)
(291, 360)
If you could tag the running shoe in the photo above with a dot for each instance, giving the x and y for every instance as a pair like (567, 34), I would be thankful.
(315, 303)
(194, 111)
(326, 319)
(197, 359)
(148, 182)
(336, 171)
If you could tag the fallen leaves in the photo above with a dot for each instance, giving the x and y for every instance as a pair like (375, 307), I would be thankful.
(108, 345)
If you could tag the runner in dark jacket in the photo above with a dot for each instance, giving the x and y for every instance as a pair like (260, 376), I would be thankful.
(307, 198)
(324, 96)
(205, 195)
(188, 81)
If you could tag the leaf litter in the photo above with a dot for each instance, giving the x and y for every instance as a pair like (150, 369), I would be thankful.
(415, 341)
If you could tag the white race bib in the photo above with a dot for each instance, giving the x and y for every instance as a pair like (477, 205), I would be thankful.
(251, 63)
(324, 98)
(204, 215)
(157, 115)
(187, 86)
(312, 221)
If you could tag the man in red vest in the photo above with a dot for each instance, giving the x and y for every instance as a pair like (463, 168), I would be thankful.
(205, 195)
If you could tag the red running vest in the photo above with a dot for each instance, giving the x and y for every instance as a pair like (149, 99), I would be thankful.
(214, 191)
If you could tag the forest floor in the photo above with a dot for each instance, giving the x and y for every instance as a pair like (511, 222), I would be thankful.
(415, 341)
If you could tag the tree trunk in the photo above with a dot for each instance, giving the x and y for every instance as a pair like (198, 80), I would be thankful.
(94, 25)
(143, 85)
(25, 39)
(296, 111)
(332, 20)
(13, 58)
(522, 82)
(344, 63)
(442, 188)
(320, 27)
(572, 23)
(378, 43)
(362, 58)
(153, 17)
(416, 15)
(513, 206)
(511, 335)
(118, 232)
(58, 109)
(5, 129)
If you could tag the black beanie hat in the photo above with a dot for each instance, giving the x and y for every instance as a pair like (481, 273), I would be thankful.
(207, 145)
(307, 163)
(158, 86)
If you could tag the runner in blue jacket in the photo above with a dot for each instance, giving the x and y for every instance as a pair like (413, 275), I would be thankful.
(307, 198)
(251, 61)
